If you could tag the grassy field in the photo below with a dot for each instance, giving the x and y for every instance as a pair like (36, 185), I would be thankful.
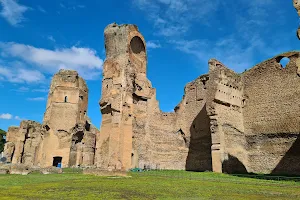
(145, 185)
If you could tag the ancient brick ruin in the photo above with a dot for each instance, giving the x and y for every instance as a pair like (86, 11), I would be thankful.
(226, 122)
(66, 135)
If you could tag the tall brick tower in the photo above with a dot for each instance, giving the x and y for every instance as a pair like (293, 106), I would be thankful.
(70, 137)
(125, 60)
(67, 101)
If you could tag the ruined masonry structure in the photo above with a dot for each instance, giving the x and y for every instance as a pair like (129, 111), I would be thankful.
(66, 135)
(225, 122)
(134, 132)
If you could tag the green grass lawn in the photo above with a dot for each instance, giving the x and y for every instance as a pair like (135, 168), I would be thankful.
(145, 185)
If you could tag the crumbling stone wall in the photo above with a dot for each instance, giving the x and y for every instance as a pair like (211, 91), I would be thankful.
(226, 122)
(193, 124)
(66, 132)
(217, 124)
(224, 103)
(271, 115)
(114, 145)
(134, 132)
(255, 117)
(68, 126)
(23, 143)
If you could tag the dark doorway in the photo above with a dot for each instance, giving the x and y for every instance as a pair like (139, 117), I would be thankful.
(57, 161)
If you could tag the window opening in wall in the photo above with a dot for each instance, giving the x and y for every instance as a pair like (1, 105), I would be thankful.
(243, 102)
(47, 127)
(137, 45)
(81, 97)
(66, 99)
(284, 61)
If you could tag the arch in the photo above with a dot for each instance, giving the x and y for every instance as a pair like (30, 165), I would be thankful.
(66, 99)
(74, 150)
(283, 61)
(137, 45)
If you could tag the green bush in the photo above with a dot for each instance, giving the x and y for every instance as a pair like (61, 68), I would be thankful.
(2, 140)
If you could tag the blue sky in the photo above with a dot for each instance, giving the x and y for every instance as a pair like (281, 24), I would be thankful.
(37, 38)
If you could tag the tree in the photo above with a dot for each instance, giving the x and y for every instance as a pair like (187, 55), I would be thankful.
(2, 140)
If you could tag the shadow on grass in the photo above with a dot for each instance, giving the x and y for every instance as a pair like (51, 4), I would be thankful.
(270, 177)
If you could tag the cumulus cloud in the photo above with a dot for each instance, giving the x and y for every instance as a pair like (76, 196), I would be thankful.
(153, 45)
(6, 116)
(84, 60)
(13, 12)
(21, 75)
(36, 99)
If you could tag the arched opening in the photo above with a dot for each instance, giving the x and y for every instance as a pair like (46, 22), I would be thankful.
(57, 161)
(66, 99)
(137, 45)
(75, 151)
(284, 61)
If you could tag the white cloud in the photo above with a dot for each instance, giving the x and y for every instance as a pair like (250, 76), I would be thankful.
(237, 40)
(153, 45)
(230, 50)
(40, 90)
(18, 118)
(36, 99)
(175, 17)
(21, 89)
(12, 11)
(24, 89)
(84, 60)
(21, 75)
(6, 116)
(71, 6)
